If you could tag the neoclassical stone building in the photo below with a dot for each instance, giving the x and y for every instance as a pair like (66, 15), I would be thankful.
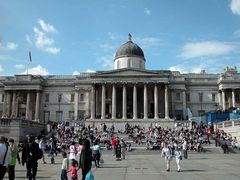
(129, 92)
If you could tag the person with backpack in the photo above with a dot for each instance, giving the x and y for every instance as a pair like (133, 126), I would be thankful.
(30, 155)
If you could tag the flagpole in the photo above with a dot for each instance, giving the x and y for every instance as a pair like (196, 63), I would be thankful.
(30, 60)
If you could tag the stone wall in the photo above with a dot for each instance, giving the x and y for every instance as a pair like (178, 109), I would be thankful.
(19, 128)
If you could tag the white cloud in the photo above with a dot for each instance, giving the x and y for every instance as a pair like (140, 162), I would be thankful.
(1, 69)
(180, 68)
(235, 6)
(11, 46)
(19, 66)
(147, 11)
(52, 50)
(106, 47)
(38, 70)
(206, 48)
(106, 62)
(28, 39)
(76, 73)
(46, 27)
(237, 33)
(149, 41)
(112, 35)
(5, 58)
(41, 38)
(90, 71)
(8, 46)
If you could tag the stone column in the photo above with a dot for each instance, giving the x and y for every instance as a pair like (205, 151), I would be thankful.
(8, 104)
(93, 102)
(233, 98)
(28, 105)
(223, 100)
(5, 104)
(145, 102)
(166, 102)
(114, 101)
(88, 104)
(184, 104)
(76, 105)
(14, 105)
(220, 99)
(156, 102)
(135, 101)
(103, 110)
(37, 107)
(124, 110)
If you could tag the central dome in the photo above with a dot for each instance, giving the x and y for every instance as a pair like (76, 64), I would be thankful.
(129, 55)
(129, 49)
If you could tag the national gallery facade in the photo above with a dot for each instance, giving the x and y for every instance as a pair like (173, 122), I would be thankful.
(128, 92)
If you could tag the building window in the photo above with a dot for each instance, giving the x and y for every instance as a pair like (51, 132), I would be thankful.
(46, 116)
(46, 98)
(200, 96)
(2, 97)
(59, 98)
(178, 96)
(237, 97)
(72, 98)
(71, 115)
(118, 64)
(213, 97)
(188, 97)
(59, 116)
(81, 97)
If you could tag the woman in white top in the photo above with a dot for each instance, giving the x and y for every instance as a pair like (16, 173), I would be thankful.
(178, 156)
(96, 153)
(72, 151)
(166, 152)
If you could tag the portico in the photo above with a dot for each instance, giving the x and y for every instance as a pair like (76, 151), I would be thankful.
(136, 100)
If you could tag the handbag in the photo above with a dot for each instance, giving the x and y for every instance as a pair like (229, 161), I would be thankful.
(89, 176)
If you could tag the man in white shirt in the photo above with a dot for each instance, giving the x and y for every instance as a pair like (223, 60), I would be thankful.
(167, 154)
(5, 157)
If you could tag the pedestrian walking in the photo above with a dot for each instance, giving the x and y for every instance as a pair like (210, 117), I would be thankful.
(5, 157)
(65, 166)
(96, 153)
(85, 160)
(167, 154)
(14, 152)
(178, 157)
(73, 170)
(30, 155)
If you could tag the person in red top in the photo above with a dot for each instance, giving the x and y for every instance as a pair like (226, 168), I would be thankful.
(73, 169)
(114, 144)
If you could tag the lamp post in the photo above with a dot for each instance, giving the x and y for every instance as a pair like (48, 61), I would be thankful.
(59, 101)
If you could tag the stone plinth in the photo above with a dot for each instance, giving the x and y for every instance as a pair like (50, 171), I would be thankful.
(19, 128)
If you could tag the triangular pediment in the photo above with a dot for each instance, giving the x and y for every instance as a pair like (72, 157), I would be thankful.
(129, 72)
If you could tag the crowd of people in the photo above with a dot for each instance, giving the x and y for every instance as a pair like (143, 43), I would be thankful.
(80, 147)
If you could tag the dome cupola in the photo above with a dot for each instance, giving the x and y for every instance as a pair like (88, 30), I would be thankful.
(129, 55)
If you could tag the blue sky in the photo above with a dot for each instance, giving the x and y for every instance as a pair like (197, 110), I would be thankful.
(69, 37)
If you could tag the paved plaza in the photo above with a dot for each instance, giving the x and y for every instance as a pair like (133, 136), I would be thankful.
(148, 165)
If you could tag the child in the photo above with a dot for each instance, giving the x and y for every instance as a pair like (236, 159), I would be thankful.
(73, 169)
(65, 166)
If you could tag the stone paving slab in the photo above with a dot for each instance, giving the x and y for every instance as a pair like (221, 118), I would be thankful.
(148, 165)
